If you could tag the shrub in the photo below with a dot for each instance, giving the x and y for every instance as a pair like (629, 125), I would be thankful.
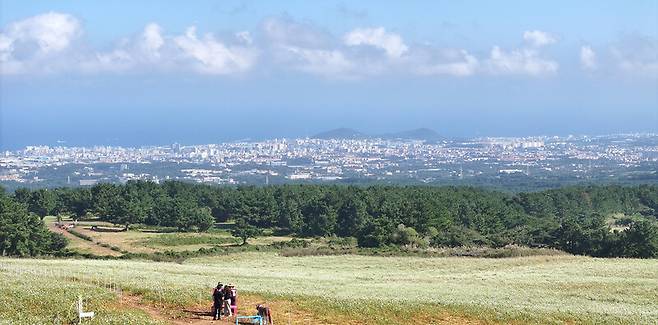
(459, 236)
(80, 235)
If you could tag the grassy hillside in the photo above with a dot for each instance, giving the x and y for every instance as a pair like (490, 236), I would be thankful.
(339, 289)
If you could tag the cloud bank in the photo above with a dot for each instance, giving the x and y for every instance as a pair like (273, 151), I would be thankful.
(538, 38)
(53, 43)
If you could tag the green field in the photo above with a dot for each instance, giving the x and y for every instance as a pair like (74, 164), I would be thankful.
(147, 241)
(339, 289)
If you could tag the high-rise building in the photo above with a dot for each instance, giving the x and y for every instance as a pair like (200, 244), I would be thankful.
(175, 147)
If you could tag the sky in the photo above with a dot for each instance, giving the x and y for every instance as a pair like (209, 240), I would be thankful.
(156, 72)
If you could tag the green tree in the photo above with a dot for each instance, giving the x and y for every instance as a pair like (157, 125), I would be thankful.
(456, 236)
(23, 195)
(290, 216)
(320, 218)
(128, 210)
(351, 217)
(202, 219)
(42, 202)
(103, 196)
(23, 233)
(375, 232)
(182, 212)
(407, 236)
(245, 231)
(640, 240)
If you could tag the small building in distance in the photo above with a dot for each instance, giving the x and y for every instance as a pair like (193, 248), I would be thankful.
(88, 182)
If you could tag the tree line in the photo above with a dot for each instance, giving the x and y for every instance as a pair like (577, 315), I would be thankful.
(23, 233)
(573, 219)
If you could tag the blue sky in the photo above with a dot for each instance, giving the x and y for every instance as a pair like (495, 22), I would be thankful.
(153, 72)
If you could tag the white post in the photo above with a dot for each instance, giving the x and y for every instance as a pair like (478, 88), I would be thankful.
(79, 309)
(81, 313)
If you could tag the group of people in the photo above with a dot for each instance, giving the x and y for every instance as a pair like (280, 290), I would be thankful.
(225, 302)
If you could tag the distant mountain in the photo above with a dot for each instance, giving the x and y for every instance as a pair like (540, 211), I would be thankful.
(347, 133)
(340, 133)
(416, 134)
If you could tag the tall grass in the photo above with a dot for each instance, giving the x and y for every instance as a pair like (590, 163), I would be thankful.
(44, 296)
(537, 289)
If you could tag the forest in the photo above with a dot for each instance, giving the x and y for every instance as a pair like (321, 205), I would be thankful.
(573, 219)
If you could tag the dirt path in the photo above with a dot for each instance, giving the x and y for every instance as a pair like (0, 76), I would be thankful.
(201, 314)
(284, 312)
(160, 314)
(81, 244)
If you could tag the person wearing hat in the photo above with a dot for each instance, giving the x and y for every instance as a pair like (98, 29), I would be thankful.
(217, 301)
(265, 314)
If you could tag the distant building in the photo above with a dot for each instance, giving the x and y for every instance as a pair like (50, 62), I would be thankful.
(532, 144)
(299, 176)
(510, 171)
(175, 148)
(88, 182)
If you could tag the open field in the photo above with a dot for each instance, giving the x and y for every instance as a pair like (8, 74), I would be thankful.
(146, 241)
(342, 289)
(80, 245)
(151, 242)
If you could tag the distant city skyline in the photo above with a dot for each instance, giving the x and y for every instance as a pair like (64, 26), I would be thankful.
(394, 159)
(139, 143)
(148, 72)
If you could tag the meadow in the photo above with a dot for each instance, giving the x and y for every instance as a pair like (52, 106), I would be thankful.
(345, 289)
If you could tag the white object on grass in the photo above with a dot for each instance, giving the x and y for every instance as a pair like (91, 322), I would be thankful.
(81, 313)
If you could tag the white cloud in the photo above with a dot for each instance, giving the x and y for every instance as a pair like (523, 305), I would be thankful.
(588, 58)
(328, 63)
(52, 31)
(245, 37)
(114, 61)
(154, 51)
(286, 32)
(48, 43)
(538, 38)
(152, 39)
(648, 68)
(51, 43)
(30, 42)
(523, 61)
(6, 47)
(391, 43)
(129, 54)
(452, 62)
(304, 47)
(637, 55)
(316, 52)
(213, 56)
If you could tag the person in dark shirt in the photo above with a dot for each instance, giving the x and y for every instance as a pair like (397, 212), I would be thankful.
(265, 314)
(217, 301)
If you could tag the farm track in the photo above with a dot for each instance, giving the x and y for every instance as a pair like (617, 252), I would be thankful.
(91, 247)
(161, 314)
(284, 312)
(200, 314)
